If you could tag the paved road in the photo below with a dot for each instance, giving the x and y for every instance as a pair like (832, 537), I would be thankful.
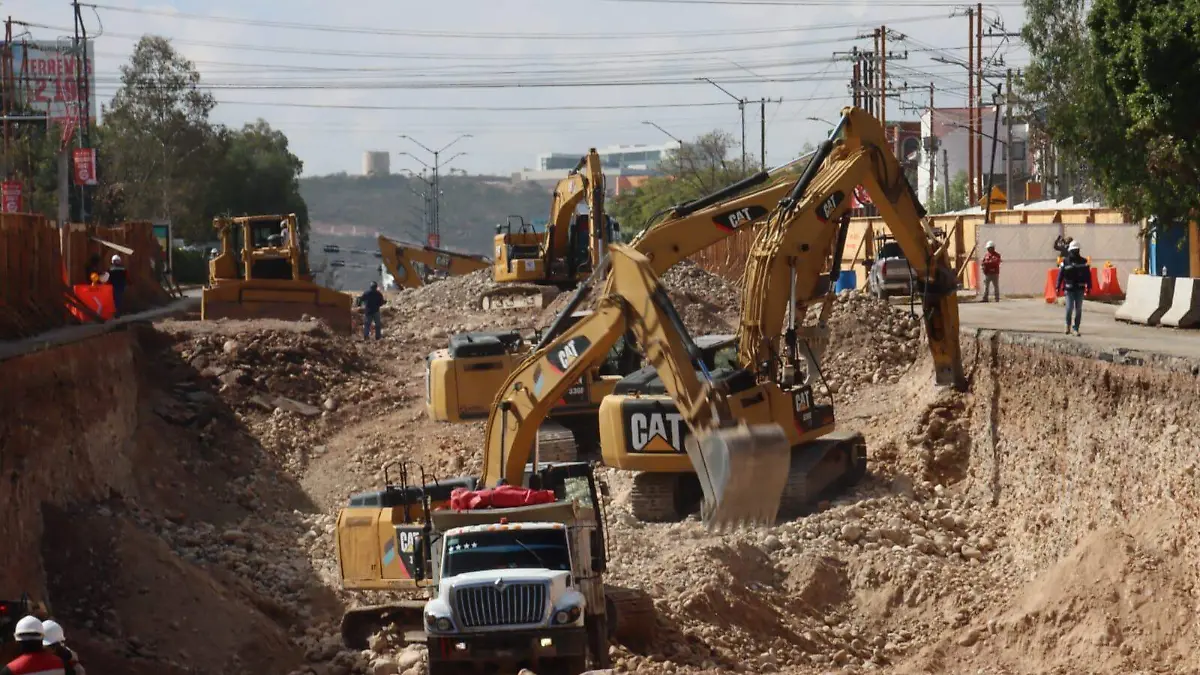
(1098, 329)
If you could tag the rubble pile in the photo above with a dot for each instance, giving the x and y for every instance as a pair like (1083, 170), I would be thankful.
(870, 341)
(706, 302)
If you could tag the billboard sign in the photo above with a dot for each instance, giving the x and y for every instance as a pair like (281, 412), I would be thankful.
(85, 166)
(47, 75)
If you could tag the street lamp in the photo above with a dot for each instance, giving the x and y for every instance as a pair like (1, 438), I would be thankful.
(434, 234)
(741, 108)
(664, 131)
(818, 119)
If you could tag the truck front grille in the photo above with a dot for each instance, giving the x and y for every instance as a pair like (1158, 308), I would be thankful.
(517, 604)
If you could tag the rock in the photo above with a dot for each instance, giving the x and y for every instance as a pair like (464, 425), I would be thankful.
(771, 543)
(232, 377)
(330, 404)
(969, 638)
(201, 397)
(230, 346)
(384, 667)
(297, 407)
(851, 532)
(986, 543)
(971, 553)
(410, 657)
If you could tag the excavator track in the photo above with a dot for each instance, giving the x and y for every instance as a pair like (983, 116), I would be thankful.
(515, 296)
(821, 469)
(360, 623)
(632, 620)
(664, 497)
(556, 443)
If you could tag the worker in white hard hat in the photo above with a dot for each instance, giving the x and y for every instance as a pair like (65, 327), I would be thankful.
(991, 271)
(1074, 282)
(56, 641)
(35, 659)
(118, 277)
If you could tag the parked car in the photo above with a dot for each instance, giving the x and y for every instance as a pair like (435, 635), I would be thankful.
(331, 248)
(890, 273)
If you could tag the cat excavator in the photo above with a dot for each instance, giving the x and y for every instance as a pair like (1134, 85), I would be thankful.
(746, 464)
(462, 379)
(262, 272)
(786, 300)
(532, 267)
(413, 265)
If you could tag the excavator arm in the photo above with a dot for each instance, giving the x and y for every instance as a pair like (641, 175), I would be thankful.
(400, 259)
(568, 193)
(634, 301)
(790, 252)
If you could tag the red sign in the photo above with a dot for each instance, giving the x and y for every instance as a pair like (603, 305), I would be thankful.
(10, 195)
(860, 198)
(85, 166)
(435, 240)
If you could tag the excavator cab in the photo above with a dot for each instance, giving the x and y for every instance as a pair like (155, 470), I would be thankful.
(262, 272)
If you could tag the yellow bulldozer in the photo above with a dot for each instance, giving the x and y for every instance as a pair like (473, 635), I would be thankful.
(262, 272)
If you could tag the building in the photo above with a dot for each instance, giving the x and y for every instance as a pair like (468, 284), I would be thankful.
(638, 157)
(944, 152)
(617, 180)
(376, 163)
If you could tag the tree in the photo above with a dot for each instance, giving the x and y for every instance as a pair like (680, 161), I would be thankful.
(255, 173)
(158, 138)
(696, 169)
(1118, 85)
(957, 198)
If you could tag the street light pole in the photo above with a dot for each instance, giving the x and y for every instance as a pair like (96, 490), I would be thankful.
(434, 235)
(741, 108)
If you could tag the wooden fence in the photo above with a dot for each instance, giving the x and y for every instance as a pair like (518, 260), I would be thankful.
(39, 263)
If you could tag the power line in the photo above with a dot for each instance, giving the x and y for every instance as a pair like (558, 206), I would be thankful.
(825, 3)
(506, 35)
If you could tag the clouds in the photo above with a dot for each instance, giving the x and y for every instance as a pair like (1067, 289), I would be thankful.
(691, 41)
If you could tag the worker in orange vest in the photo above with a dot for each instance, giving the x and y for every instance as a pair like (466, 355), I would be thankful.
(991, 271)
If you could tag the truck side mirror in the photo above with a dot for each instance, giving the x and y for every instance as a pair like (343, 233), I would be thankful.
(599, 561)
(420, 561)
(427, 571)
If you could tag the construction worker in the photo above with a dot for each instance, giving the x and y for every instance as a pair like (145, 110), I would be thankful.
(371, 301)
(991, 271)
(56, 641)
(1061, 244)
(35, 659)
(118, 278)
(1075, 281)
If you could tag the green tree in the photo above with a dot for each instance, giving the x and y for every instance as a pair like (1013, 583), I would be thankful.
(957, 199)
(1118, 84)
(698, 168)
(255, 173)
(157, 137)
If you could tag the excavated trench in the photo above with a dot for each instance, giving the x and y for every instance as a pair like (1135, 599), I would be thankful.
(1082, 471)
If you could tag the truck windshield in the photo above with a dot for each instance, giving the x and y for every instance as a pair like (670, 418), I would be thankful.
(507, 549)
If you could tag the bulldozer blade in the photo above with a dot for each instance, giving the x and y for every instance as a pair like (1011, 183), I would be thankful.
(742, 471)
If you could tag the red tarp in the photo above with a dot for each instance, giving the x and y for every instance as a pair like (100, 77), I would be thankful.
(503, 497)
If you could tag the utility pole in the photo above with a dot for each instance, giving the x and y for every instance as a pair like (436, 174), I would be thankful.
(763, 125)
(971, 105)
(1008, 146)
(883, 79)
(856, 81)
(932, 146)
(742, 109)
(946, 178)
(979, 91)
(434, 236)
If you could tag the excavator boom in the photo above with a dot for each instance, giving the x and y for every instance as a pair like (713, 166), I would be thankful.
(412, 265)
(731, 459)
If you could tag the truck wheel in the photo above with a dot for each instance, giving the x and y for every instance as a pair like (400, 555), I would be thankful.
(569, 665)
(598, 630)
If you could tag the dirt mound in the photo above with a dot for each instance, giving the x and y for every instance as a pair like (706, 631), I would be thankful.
(870, 341)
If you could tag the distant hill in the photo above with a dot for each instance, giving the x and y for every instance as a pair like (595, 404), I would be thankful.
(471, 206)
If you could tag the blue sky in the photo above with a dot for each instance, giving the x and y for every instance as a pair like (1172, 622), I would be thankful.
(452, 57)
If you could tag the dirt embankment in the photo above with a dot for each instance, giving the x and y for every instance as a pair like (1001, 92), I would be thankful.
(121, 466)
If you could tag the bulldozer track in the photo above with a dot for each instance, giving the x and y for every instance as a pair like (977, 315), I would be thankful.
(514, 296)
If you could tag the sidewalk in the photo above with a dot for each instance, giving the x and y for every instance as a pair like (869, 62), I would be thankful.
(69, 334)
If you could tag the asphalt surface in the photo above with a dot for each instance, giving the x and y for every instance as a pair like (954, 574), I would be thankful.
(1098, 329)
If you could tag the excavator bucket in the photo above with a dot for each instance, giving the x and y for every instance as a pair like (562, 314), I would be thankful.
(743, 471)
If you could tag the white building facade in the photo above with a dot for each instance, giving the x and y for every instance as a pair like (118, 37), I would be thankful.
(952, 156)
(629, 157)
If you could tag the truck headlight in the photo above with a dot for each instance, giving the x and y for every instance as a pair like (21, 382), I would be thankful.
(441, 624)
(567, 615)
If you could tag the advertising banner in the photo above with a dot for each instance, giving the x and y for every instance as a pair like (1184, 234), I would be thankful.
(48, 77)
(10, 196)
(85, 166)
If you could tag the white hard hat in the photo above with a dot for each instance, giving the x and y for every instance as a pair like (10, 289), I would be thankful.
(29, 628)
(1073, 246)
(116, 260)
(53, 633)
(991, 244)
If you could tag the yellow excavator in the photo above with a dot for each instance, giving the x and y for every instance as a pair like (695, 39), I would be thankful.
(413, 265)
(531, 267)
(383, 536)
(775, 370)
(262, 272)
(462, 379)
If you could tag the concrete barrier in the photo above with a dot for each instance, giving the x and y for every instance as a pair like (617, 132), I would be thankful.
(1185, 305)
(1147, 298)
